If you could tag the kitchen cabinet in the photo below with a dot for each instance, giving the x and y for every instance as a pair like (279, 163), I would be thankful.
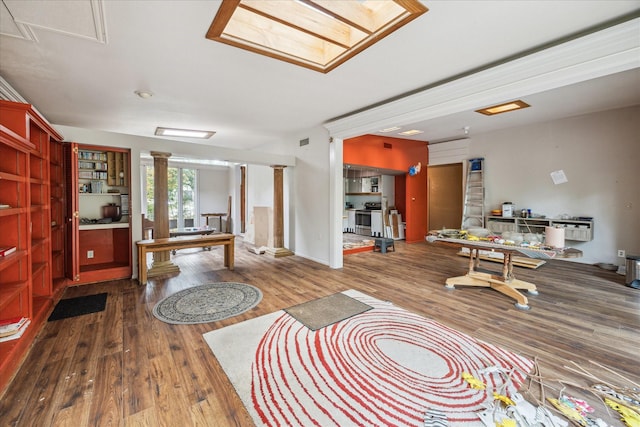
(25, 226)
(99, 227)
(351, 220)
(366, 185)
(353, 185)
(500, 224)
(575, 229)
(363, 186)
(377, 227)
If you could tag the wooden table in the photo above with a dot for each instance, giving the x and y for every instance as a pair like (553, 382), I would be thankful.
(182, 242)
(506, 284)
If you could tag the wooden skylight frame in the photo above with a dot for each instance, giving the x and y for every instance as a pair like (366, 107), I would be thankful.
(316, 34)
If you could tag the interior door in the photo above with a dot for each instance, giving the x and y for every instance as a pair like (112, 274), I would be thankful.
(72, 214)
(445, 196)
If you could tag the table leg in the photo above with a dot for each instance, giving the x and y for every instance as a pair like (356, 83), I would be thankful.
(142, 265)
(228, 255)
(510, 275)
(505, 265)
(472, 260)
(507, 284)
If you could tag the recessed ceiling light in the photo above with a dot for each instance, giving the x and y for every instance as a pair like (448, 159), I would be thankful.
(390, 129)
(143, 94)
(316, 34)
(411, 132)
(503, 108)
(185, 133)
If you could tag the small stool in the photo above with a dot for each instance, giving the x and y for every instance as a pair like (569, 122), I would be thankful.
(382, 244)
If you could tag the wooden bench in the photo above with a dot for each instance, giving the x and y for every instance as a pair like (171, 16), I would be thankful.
(182, 242)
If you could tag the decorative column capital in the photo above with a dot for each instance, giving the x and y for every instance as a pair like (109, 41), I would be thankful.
(160, 155)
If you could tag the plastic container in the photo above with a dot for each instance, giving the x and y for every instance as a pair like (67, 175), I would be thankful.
(507, 209)
(476, 164)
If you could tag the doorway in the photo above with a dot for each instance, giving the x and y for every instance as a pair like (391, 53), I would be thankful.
(445, 196)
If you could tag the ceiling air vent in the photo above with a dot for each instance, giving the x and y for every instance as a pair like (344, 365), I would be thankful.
(304, 142)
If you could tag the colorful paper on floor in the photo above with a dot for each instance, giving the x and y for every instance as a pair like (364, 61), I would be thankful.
(386, 366)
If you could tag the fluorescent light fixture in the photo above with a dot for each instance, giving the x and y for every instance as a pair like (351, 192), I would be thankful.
(184, 133)
(411, 132)
(503, 108)
(389, 129)
(316, 34)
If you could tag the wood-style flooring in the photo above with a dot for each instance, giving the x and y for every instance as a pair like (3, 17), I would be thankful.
(123, 367)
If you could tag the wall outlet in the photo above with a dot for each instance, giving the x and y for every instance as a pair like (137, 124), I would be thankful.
(621, 253)
(90, 254)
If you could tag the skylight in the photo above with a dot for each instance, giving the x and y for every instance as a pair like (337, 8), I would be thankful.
(316, 34)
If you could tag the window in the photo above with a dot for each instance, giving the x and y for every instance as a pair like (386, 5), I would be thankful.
(182, 185)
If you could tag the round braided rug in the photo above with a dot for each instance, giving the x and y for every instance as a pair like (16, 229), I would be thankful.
(207, 303)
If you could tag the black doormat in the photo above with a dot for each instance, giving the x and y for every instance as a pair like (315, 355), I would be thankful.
(72, 307)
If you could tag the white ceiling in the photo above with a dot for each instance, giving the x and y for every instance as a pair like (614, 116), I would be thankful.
(80, 63)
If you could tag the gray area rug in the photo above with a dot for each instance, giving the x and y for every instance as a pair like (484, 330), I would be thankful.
(207, 303)
(325, 311)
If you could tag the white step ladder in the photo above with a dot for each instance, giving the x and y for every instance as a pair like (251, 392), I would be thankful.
(473, 214)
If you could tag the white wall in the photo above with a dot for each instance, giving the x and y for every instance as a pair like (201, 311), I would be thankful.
(213, 193)
(260, 193)
(600, 155)
(307, 210)
(260, 186)
(310, 195)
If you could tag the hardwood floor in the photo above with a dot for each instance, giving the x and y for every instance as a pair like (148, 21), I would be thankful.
(124, 367)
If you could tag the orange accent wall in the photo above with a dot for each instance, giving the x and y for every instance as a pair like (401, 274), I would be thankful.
(397, 154)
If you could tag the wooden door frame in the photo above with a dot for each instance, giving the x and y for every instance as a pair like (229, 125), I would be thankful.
(243, 199)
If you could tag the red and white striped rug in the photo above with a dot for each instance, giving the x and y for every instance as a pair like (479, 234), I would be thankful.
(384, 367)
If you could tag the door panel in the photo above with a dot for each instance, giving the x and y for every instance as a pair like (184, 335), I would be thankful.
(72, 217)
(445, 196)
